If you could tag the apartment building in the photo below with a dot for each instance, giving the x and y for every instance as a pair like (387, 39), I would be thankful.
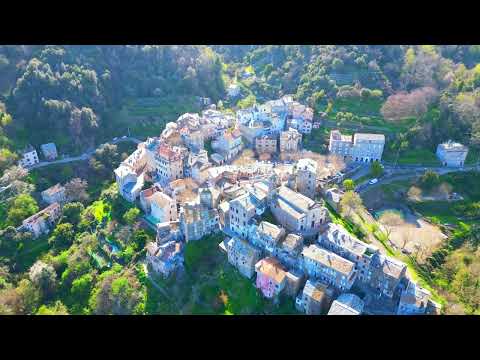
(196, 221)
(328, 267)
(43, 221)
(271, 277)
(242, 210)
(362, 147)
(315, 298)
(337, 239)
(243, 256)
(298, 213)
(266, 144)
(290, 141)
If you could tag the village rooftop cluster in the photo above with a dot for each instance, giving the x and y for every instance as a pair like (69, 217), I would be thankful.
(188, 187)
(304, 255)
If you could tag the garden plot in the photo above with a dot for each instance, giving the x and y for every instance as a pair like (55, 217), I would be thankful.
(410, 233)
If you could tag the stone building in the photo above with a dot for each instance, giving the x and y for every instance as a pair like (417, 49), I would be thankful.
(266, 236)
(290, 141)
(298, 213)
(165, 258)
(347, 304)
(315, 298)
(328, 267)
(266, 144)
(340, 241)
(196, 221)
(49, 151)
(243, 256)
(54, 194)
(306, 177)
(416, 300)
(242, 210)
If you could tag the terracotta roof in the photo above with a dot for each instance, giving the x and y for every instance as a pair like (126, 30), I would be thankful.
(271, 268)
(315, 290)
(167, 152)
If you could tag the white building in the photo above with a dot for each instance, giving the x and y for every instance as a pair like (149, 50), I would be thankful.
(49, 151)
(347, 304)
(452, 154)
(29, 157)
(163, 207)
(242, 210)
(363, 147)
(43, 221)
(233, 90)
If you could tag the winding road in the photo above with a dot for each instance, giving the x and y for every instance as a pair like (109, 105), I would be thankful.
(85, 156)
(407, 172)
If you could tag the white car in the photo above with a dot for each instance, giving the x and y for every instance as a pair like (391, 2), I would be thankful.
(124, 136)
(373, 181)
(115, 138)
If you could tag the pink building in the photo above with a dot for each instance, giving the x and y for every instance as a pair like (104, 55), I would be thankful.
(271, 277)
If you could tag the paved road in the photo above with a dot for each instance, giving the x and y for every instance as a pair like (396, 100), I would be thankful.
(85, 156)
(402, 173)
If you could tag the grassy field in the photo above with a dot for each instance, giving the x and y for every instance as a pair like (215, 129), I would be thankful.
(32, 251)
(147, 116)
(410, 157)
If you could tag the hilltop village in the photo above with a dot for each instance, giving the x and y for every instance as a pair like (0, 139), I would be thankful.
(272, 210)
(275, 208)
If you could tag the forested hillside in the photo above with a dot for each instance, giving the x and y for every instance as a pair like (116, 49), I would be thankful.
(435, 90)
(63, 93)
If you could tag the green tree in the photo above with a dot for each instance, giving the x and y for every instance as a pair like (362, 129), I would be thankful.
(429, 180)
(247, 102)
(44, 277)
(81, 288)
(22, 207)
(350, 202)
(7, 158)
(62, 236)
(29, 296)
(72, 212)
(376, 169)
(140, 237)
(131, 215)
(57, 309)
(349, 184)
(117, 294)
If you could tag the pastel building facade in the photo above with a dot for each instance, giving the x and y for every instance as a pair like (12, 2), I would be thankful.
(271, 277)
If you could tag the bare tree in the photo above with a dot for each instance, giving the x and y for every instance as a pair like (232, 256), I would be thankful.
(76, 190)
